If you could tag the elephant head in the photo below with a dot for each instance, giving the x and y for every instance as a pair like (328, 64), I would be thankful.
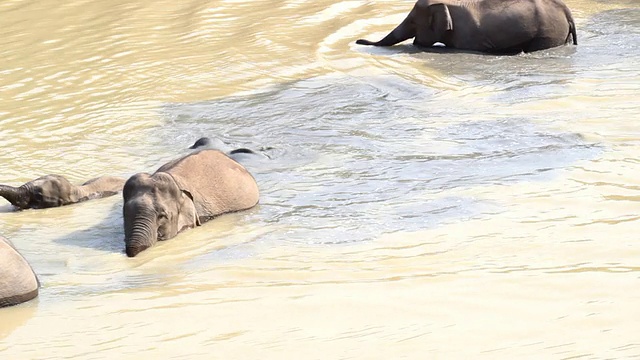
(43, 192)
(182, 194)
(18, 282)
(55, 190)
(428, 23)
(155, 209)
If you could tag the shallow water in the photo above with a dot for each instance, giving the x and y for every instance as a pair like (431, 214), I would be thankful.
(415, 204)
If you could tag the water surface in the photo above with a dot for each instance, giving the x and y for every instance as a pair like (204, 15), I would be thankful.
(415, 204)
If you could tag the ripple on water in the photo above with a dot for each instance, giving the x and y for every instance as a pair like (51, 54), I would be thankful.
(335, 180)
(521, 170)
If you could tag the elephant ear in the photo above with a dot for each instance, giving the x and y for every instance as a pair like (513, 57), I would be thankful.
(440, 18)
(187, 215)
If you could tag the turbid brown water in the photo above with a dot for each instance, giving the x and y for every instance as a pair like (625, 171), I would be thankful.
(416, 205)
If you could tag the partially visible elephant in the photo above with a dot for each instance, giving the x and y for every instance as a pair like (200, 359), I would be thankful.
(495, 26)
(55, 190)
(217, 144)
(18, 282)
(182, 194)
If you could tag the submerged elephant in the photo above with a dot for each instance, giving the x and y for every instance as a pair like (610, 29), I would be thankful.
(498, 26)
(55, 190)
(182, 194)
(18, 282)
(217, 144)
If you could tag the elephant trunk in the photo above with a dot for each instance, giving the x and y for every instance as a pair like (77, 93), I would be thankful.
(17, 196)
(406, 30)
(140, 231)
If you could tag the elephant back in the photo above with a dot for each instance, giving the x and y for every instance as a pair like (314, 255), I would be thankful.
(216, 183)
(18, 282)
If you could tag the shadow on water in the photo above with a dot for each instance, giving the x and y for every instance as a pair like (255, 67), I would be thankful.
(358, 158)
(511, 78)
(105, 236)
(95, 256)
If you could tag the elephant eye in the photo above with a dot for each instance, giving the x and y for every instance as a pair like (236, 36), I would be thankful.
(163, 216)
(38, 196)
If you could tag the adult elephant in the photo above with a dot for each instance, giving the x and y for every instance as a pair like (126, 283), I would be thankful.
(182, 194)
(18, 282)
(235, 154)
(496, 26)
(55, 190)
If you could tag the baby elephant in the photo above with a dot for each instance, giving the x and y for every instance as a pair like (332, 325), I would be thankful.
(55, 190)
(182, 194)
(18, 282)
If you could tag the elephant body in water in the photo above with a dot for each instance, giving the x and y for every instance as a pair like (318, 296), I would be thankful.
(236, 154)
(495, 26)
(182, 194)
(55, 190)
(18, 282)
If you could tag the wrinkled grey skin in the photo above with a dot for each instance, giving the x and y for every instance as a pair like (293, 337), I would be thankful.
(235, 154)
(55, 190)
(182, 194)
(18, 282)
(495, 26)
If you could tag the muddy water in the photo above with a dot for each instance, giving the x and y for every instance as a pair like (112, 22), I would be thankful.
(416, 205)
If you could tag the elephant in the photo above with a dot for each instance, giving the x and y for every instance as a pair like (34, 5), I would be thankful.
(183, 194)
(18, 281)
(55, 190)
(235, 154)
(491, 26)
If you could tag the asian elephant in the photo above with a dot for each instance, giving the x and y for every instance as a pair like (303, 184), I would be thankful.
(182, 194)
(18, 282)
(235, 154)
(494, 26)
(55, 190)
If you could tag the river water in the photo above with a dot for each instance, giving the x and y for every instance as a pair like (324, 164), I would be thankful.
(416, 204)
